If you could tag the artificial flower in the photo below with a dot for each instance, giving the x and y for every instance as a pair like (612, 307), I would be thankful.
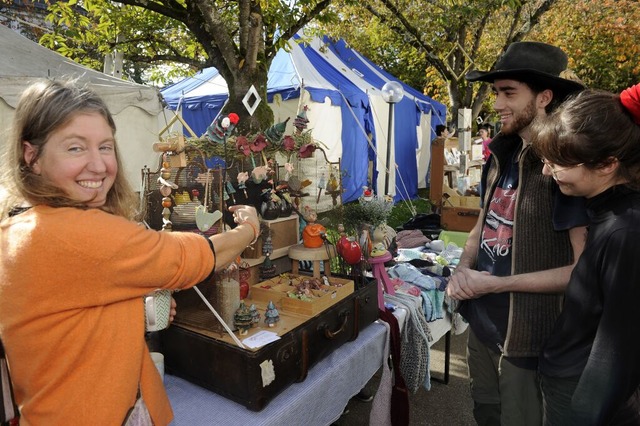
(306, 151)
(288, 143)
(242, 144)
(259, 143)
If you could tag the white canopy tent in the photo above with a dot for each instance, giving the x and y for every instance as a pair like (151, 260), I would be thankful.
(136, 108)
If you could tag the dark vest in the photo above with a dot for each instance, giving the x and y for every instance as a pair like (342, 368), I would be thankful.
(536, 246)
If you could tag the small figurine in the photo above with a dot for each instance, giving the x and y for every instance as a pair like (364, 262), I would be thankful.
(243, 319)
(255, 315)
(267, 269)
(276, 132)
(321, 186)
(271, 316)
(367, 194)
(301, 120)
(242, 179)
(230, 190)
(221, 128)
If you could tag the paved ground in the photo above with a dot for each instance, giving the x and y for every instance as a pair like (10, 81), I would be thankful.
(443, 405)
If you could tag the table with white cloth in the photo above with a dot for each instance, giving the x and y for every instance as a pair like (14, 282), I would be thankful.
(319, 400)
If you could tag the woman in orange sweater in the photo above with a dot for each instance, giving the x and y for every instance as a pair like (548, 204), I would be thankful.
(74, 265)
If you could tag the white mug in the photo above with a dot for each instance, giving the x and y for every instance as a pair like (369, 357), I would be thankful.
(157, 309)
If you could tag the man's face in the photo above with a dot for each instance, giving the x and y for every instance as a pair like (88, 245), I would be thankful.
(516, 104)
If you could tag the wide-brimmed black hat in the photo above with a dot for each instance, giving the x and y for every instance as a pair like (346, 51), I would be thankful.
(532, 62)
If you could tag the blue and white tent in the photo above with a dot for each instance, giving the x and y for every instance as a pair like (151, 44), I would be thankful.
(347, 113)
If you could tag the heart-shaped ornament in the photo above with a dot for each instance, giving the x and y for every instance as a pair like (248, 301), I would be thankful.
(205, 220)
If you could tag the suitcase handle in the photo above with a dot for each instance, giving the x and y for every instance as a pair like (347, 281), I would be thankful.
(332, 334)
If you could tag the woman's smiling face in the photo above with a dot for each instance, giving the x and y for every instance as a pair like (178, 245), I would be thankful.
(79, 158)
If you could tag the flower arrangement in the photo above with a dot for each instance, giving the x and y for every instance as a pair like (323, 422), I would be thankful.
(263, 144)
(371, 210)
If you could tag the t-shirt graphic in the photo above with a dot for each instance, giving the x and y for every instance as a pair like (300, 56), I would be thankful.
(497, 233)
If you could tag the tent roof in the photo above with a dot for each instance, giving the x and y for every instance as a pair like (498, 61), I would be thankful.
(24, 61)
(323, 67)
(377, 77)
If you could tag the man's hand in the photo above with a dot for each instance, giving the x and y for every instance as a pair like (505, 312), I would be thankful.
(467, 283)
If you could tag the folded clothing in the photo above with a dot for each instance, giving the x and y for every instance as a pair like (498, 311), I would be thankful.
(411, 238)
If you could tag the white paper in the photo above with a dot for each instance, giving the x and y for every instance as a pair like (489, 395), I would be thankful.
(260, 339)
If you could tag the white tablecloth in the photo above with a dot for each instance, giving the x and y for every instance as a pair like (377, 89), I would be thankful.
(318, 400)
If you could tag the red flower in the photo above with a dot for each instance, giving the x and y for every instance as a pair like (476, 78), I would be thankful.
(288, 143)
(306, 151)
(242, 144)
(259, 143)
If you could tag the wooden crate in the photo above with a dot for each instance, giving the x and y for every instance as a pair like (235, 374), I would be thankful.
(284, 233)
(277, 289)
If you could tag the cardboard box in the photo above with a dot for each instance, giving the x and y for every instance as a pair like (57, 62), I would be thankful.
(278, 289)
(460, 213)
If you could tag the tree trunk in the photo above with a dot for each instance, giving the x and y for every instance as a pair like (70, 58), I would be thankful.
(239, 86)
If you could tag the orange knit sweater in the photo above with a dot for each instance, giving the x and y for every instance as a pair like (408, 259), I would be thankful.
(72, 316)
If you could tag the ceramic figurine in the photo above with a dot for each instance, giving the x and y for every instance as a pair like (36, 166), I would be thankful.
(269, 210)
(271, 316)
(243, 319)
(267, 269)
(301, 120)
(255, 315)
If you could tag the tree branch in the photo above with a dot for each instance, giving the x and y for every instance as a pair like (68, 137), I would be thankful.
(416, 40)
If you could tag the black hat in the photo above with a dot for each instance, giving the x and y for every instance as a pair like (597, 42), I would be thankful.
(532, 62)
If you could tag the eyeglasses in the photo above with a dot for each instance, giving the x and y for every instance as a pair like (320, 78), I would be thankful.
(556, 170)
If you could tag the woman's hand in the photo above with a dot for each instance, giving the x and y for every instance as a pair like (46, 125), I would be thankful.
(172, 311)
(246, 215)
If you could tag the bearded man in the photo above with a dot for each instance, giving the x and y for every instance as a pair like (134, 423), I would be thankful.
(519, 256)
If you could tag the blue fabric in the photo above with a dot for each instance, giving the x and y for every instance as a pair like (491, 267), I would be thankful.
(406, 116)
(410, 274)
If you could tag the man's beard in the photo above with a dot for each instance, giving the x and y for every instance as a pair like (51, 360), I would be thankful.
(521, 120)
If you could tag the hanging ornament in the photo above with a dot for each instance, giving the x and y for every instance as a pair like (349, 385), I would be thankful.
(204, 219)
(321, 186)
(221, 128)
(288, 167)
(301, 121)
(242, 179)
(166, 187)
(230, 190)
(276, 132)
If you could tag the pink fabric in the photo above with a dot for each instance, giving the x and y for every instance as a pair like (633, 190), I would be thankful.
(630, 98)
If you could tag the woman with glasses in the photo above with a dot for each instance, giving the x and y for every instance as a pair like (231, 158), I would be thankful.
(590, 366)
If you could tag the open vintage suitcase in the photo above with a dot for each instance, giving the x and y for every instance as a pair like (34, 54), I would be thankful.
(254, 377)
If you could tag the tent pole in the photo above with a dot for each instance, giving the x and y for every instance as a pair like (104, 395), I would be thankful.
(389, 142)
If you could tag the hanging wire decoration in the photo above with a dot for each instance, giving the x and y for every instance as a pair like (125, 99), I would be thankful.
(251, 108)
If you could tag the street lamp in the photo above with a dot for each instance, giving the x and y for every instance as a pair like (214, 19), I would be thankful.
(392, 93)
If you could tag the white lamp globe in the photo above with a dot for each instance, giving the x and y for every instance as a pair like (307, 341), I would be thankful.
(392, 92)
